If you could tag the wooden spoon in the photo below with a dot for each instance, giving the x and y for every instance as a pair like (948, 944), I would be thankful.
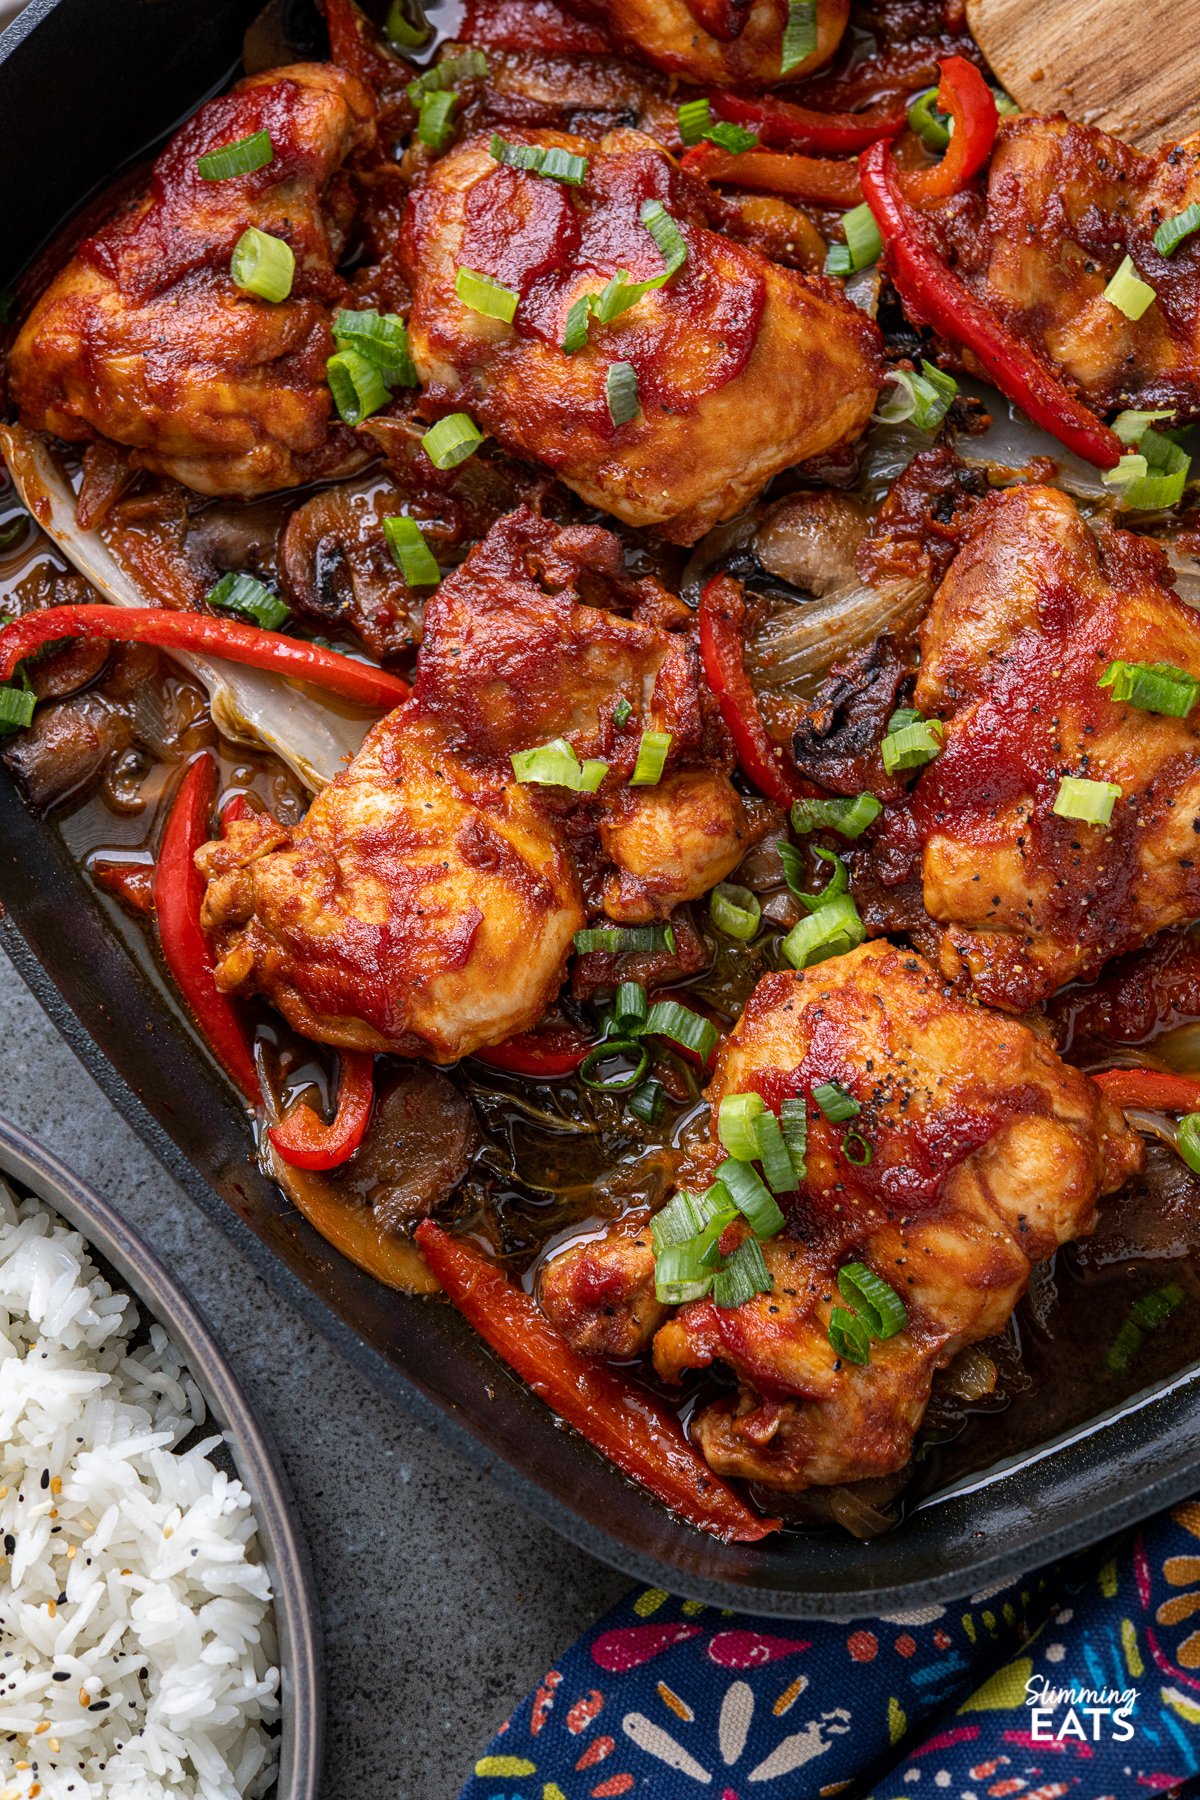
(1132, 69)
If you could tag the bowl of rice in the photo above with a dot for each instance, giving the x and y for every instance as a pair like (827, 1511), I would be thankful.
(158, 1633)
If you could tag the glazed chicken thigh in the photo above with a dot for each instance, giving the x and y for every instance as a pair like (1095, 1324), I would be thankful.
(987, 1152)
(145, 340)
(743, 367)
(1032, 613)
(720, 42)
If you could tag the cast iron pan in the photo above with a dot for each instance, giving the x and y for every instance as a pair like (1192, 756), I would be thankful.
(83, 88)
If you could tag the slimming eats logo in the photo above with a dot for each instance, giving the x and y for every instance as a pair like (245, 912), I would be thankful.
(1089, 1714)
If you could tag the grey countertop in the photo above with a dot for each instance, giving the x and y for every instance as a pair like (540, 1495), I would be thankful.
(442, 1601)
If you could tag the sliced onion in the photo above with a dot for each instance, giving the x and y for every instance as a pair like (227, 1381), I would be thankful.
(314, 736)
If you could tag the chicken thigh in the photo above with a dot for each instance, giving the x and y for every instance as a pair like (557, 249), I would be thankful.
(985, 1153)
(723, 43)
(144, 338)
(743, 367)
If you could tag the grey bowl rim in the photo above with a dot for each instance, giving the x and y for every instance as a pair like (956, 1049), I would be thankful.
(258, 1462)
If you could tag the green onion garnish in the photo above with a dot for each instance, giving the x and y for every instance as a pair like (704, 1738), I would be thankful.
(923, 399)
(357, 386)
(849, 1336)
(483, 295)
(242, 158)
(1091, 802)
(832, 931)
(621, 712)
(679, 1275)
(616, 940)
(1152, 687)
(756, 1204)
(410, 553)
(1154, 1308)
(620, 293)
(879, 1306)
(863, 245)
(692, 1215)
(575, 333)
(246, 595)
(1131, 426)
(696, 122)
(836, 1104)
(735, 911)
(744, 1275)
(930, 125)
(736, 1118)
(553, 165)
(793, 1122)
(646, 1102)
(621, 392)
(651, 758)
(856, 1149)
(849, 818)
(773, 1154)
(1174, 230)
(435, 118)
(612, 1050)
(1125, 1346)
(667, 1018)
(16, 706)
(1128, 292)
(452, 440)
(630, 1008)
(470, 66)
(382, 340)
(911, 741)
(667, 236)
(11, 532)
(1154, 475)
(403, 33)
(263, 265)
(1187, 1141)
(556, 765)
(799, 34)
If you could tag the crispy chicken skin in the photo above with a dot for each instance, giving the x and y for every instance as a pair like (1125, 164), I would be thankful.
(988, 1152)
(743, 367)
(600, 1294)
(419, 907)
(1065, 203)
(144, 339)
(723, 43)
(1032, 612)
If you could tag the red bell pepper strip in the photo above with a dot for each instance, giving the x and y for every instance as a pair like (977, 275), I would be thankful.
(722, 616)
(178, 893)
(966, 96)
(542, 1054)
(206, 636)
(1151, 1088)
(810, 178)
(934, 296)
(305, 1140)
(791, 127)
(626, 1422)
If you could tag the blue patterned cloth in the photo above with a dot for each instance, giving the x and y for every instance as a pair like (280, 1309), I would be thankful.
(1083, 1683)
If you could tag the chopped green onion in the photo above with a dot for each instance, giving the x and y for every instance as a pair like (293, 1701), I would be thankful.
(553, 165)
(410, 553)
(930, 125)
(830, 931)
(667, 236)
(879, 1306)
(696, 122)
(691, 1215)
(773, 1154)
(849, 1336)
(1091, 802)
(556, 765)
(244, 594)
(1153, 476)
(667, 1018)
(357, 386)
(629, 1009)
(1128, 292)
(452, 440)
(835, 1102)
(849, 818)
(1187, 1141)
(1125, 1346)
(1153, 1309)
(911, 746)
(799, 34)
(401, 32)
(752, 1199)
(483, 295)
(435, 118)
(736, 1118)
(923, 399)
(651, 759)
(646, 1102)
(735, 911)
(836, 888)
(242, 158)
(621, 392)
(863, 245)
(694, 118)
(381, 340)
(744, 1275)
(616, 940)
(1131, 426)
(856, 1149)
(616, 297)
(621, 712)
(16, 706)
(1173, 231)
(263, 265)
(1005, 104)
(470, 66)
(679, 1275)
(609, 1051)
(793, 1122)
(903, 715)
(575, 332)
(11, 532)
(1152, 687)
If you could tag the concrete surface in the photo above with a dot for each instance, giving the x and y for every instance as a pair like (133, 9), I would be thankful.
(443, 1602)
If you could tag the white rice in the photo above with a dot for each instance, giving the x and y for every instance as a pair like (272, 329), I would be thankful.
(137, 1644)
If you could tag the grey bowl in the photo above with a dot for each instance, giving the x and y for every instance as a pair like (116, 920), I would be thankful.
(30, 1167)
